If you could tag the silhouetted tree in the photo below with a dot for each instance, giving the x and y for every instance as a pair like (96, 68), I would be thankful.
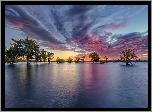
(82, 59)
(50, 55)
(106, 59)
(77, 59)
(69, 60)
(127, 55)
(37, 56)
(43, 54)
(94, 56)
(11, 54)
(59, 60)
(26, 47)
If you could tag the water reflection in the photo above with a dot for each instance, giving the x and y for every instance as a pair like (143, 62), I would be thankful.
(72, 85)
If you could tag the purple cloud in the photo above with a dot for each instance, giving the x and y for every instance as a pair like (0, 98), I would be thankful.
(79, 28)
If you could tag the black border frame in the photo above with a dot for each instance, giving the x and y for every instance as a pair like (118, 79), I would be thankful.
(3, 3)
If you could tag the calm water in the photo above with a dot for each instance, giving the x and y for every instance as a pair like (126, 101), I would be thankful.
(76, 85)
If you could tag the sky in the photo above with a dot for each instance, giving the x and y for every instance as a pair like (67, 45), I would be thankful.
(77, 30)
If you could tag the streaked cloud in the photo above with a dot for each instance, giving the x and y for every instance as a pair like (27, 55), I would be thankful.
(79, 28)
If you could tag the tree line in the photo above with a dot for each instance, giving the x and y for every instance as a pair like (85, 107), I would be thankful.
(29, 48)
(26, 47)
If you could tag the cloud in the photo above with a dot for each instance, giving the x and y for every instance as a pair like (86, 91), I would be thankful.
(81, 28)
(138, 11)
(27, 24)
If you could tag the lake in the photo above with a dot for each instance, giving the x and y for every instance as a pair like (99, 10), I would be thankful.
(76, 85)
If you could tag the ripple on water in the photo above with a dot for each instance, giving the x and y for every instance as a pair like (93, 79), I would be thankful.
(83, 85)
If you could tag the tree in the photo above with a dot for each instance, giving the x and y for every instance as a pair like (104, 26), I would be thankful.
(77, 59)
(106, 59)
(69, 60)
(43, 54)
(50, 55)
(5, 50)
(82, 59)
(11, 55)
(19, 46)
(94, 56)
(30, 48)
(59, 60)
(127, 55)
(37, 56)
(26, 47)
